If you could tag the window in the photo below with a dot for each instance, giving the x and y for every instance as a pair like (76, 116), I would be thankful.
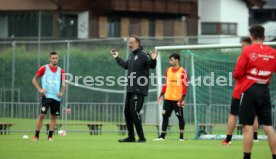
(46, 24)
(152, 28)
(113, 27)
(219, 28)
(69, 26)
(224, 28)
(209, 28)
(233, 29)
(28, 22)
(3, 26)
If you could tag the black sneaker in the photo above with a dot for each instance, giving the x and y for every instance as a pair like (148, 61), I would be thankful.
(142, 140)
(128, 139)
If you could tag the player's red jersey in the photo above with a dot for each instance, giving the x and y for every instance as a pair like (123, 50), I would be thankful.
(239, 87)
(256, 64)
(237, 90)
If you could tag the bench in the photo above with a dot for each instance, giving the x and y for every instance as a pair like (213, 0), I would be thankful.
(5, 128)
(157, 127)
(204, 129)
(95, 128)
(122, 128)
(57, 128)
(239, 129)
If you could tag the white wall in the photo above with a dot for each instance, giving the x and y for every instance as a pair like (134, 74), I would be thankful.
(209, 10)
(236, 11)
(229, 11)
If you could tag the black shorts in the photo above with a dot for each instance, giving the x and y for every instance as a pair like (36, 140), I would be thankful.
(255, 101)
(169, 106)
(235, 105)
(53, 104)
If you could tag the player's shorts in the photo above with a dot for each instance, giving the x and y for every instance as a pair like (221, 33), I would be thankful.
(234, 107)
(53, 104)
(255, 101)
(169, 106)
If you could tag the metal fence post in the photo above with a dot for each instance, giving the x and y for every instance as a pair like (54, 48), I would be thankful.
(67, 86)
(194, 96)
(13, 73)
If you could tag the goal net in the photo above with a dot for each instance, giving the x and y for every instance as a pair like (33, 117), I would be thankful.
(210, 87)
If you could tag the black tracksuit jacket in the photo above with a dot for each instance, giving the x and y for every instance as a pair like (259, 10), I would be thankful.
(138, 64)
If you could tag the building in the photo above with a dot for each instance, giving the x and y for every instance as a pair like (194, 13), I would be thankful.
(82, 19)
(71, 19)
(227, 19)
(264, 14)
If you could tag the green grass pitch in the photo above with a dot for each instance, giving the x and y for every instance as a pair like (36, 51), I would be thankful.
(80, 145)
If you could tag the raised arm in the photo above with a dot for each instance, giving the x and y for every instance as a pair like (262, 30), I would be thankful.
(151, 60)
(121, 62)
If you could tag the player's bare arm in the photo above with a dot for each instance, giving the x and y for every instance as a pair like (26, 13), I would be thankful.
(62, 90)
(35, 83)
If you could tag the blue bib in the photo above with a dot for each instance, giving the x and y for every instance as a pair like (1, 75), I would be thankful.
(51, 82)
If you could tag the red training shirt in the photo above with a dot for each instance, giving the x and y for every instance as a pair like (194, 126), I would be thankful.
(257, 62)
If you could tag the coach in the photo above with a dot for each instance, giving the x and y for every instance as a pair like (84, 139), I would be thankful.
(137, 64)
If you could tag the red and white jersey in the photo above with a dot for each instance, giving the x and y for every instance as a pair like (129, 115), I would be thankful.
(256, 63)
